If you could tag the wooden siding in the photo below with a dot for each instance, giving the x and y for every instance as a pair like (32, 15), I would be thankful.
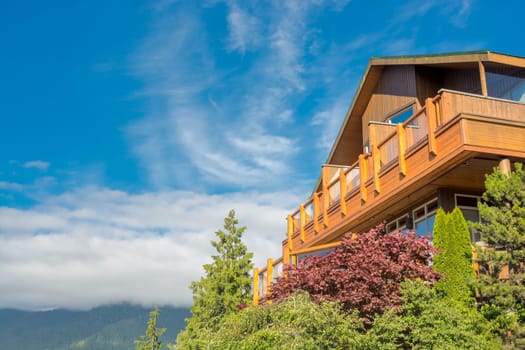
(466, 80)
(395, 88)
(458, 102)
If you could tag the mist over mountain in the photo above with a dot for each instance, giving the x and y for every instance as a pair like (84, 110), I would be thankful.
(112, 327)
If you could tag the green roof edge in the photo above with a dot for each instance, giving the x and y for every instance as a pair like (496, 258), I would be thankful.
(457, 53)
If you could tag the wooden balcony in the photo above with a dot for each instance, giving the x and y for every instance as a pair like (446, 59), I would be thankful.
(404, 159)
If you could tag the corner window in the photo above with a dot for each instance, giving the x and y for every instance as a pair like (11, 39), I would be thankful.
(469, 207)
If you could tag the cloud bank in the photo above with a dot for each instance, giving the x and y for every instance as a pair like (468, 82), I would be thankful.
(97, 246)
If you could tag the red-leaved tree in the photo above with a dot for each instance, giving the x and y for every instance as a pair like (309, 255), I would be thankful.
(363, 273)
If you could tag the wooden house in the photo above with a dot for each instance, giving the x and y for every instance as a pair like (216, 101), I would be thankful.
(420, 134)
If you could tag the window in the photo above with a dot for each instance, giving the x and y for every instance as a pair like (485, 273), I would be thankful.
(424, 217)
(321, 252)
(507, 83)
(401, 115)
(397, 224)
(468, 205)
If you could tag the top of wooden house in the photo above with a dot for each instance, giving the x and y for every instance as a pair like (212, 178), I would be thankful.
(391, 85)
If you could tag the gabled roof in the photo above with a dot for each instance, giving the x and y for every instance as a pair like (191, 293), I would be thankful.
(339, 152)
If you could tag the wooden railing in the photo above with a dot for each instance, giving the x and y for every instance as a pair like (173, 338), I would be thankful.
(390, 146)
(264, 277)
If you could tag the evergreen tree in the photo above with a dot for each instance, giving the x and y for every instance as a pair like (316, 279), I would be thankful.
(150, 340)
(501, 287)
(226, 284)
(452, 238)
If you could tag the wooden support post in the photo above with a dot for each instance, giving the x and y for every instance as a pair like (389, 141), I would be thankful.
(269, 275)
(286, 255)
(290, 232)
(375, 156)
(363, 176)
(482, 78)
(294, 259)
(342, 191)
(504, 166)
(317, 228)
(302, 221)
(326, 194)
(475, 264)
(432, 125)
(255, 287)
(401, 146)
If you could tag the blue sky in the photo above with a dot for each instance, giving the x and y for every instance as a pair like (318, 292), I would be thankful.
(130, 128)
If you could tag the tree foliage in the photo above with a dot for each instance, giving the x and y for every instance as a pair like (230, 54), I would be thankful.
(226, 284)
(454, 260)
(424, 320)
(363, 273)
(427, 320)
(501, 292)
(150, 340)
(294, 323)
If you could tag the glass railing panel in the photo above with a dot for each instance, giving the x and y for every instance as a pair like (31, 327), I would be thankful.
(277, 271)
(352, 179)
(296, 219)
(334, 190)
(262, 284)
(389, 150)
(309, 210)
(417, 129)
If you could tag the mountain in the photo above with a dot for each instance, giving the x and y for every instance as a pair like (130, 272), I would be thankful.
(112, 327)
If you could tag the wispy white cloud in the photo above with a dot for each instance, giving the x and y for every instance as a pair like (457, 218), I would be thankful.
(330, 118)
(11, 186)
(37, 164)
(96, 245)
(228, 126)
(244, 29)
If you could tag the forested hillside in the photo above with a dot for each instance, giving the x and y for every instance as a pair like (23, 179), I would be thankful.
(112, 327)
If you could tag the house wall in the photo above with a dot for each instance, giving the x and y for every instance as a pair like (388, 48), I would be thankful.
(395, 88)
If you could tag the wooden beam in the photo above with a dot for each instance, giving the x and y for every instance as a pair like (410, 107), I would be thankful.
(317, 227)
(504, 166)
(269, 275)
(482, 78)
(255, 301)
(317, 247)
(402, 145)
(302, 221)
(342, 191)
(326, 194)
(375, 156)
(290, 232)
(432, 125)
(363, 177)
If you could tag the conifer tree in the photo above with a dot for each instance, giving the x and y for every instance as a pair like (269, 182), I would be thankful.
(150, 340)
(501, 287)
(225, 285)
(452, 238)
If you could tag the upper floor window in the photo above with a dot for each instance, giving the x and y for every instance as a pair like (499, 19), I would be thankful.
(401, 115)
(507, 83)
